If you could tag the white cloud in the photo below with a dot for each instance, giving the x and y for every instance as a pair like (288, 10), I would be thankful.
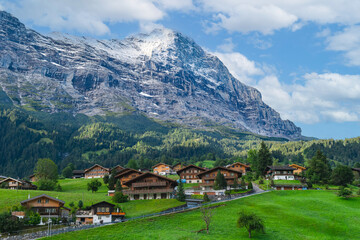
(322, 97)
(91, 16)
(267, 16)
(239, 66)
(347, 41)
(227, 46)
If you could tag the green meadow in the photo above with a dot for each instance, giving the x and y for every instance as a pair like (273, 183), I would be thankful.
(76, 189)
(287, 214)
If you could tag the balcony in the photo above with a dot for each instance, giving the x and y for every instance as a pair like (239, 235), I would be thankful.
(206, 184)
(149, 184)
(118, 213)
(147, 191)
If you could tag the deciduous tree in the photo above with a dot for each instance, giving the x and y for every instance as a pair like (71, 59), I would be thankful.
(94, 185)
(251, 222)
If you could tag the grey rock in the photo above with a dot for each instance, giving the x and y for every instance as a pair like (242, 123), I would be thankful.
(164, 75)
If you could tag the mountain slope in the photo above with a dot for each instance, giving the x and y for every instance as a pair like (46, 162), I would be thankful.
(163, 74)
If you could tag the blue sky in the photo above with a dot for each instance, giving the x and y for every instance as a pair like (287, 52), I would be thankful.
(303, 55)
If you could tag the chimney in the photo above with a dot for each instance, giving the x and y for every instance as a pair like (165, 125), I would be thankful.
(29, 196)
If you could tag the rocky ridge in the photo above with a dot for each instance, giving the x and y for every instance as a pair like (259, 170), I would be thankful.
(164, 75)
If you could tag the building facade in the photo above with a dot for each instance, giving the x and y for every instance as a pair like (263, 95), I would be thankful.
(12, 183)
(100, 213)
(190, 173)
(162, 169)
(240, 167)
(298, 169)
(96, 171)
(126, 175)
(47, 207)
(280, 173)
(208, 177)
(150, 186)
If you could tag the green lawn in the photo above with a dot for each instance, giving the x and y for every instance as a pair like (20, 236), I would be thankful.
(266, 184)
(76, 189)
(206, 164)
(287, 215)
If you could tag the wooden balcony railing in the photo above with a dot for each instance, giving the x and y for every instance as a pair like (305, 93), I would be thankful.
(149, 184)
(147, 191)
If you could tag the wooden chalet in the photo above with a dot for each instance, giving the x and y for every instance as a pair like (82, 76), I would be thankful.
(162, 169)
(177, 167)
(208, 177)
(78, 174)
(127, 174)
(32, 178)
(240, 167)
(190, 173)
(280, 173)
(298, 169)
(99, 213)
(96, 171)
(118, 168)
(13, 183)
(150, 186)
(47, 206)
(2, 178)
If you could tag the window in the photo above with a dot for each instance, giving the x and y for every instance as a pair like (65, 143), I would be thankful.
(232, 174)
(224, 174)
(107, 209)
(39, 201)
(46, 200)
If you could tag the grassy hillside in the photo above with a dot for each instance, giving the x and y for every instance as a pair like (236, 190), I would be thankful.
(76, 189)
(287, 215)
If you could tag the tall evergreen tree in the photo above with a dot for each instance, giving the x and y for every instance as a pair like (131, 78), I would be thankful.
(318, 169)
(220, 181)
(263, 160)
(342, 175)
(180, 195)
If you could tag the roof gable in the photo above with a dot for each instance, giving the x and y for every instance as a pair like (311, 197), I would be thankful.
(160, 164)
(239, 163)
(96, 165)
(103, 203)
(217, 169)
(297, 166)
(189, 166)
(126, 171)
(149, 174)
(41, 196)
(12, 179)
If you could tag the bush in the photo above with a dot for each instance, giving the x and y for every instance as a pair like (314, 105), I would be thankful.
(46, 184)
(33, 218)
(261, 181)
(344, 192)
(358, 192)
(272, 183)
(206, 198)
(250, 186)
(80, 204)
(58, 188)
(8, 223)
(119, 197)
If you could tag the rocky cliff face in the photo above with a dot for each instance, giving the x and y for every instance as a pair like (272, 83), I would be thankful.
(163, 74)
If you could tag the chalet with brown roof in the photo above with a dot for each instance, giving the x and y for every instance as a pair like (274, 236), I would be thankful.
(162, 169)
(280, 173)
(190, 173)
(118, 168)
(127, 174)
(78, 174)
(150, 186)
(13, 183)
(208, 177)
(240, 167)
(99, 213)
(47, 206)
(32, 178)
(298, 169)
(177, 167)
(96, 171)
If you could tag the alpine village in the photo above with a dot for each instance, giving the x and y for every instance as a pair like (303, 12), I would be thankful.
(100, 139)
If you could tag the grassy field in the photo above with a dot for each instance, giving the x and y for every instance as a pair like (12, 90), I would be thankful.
(206, 164)
(287, 214)
(76, 189)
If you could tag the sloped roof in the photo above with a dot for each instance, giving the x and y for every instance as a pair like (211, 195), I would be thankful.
(188, 166)
(356, 169)
(242, 164)
(78, 171)
(126, 171)
(160, 164)
(149, 174)
(10, 178)
(297, 166)
(219, 168)
(281, 168)
(103, 202)
(96, 165)
(40, 196)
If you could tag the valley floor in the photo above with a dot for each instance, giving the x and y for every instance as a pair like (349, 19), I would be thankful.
(287, 214)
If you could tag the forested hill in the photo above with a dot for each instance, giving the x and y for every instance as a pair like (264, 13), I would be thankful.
(26, 136)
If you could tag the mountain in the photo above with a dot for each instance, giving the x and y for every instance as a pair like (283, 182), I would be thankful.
(164, 74)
